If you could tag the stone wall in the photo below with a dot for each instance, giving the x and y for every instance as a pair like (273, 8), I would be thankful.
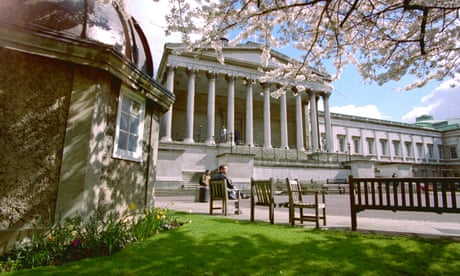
(34, 99)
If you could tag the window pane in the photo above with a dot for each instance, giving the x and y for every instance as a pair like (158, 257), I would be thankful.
(123, 140)
(135, 108)
(134, 125)
(132, 143)
(126, 104)
(124, 122)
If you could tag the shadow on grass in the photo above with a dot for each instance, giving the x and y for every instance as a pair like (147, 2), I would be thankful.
(221, 246)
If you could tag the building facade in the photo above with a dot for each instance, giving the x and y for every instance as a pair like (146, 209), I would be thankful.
(80, 113)
(224, 114)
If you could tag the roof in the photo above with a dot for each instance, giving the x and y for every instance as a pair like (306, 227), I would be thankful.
(94, 20)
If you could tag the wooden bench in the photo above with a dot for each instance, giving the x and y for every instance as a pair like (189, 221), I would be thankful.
(438, 195)
(301, 199)
(336, 185)
(218, 192)
(262, 194)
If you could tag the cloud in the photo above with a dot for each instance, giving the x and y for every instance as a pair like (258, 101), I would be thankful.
(441, 103)
(368, 111)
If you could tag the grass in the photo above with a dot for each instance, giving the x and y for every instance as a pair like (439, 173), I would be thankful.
(213, 245)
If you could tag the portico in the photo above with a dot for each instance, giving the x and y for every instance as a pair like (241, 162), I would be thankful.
(213, 97)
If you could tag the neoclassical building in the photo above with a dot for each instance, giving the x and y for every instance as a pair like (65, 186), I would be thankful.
(223, 113)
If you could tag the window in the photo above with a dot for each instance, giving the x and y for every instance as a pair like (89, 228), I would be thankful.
(430, 150)
(323, 142)
(130, 127)
(396, 148)
(408, 149)
(356, 144)
(420, 150)
(370, 146)
(453, 152)
(441, 151)
(341, 139)
(383, 144)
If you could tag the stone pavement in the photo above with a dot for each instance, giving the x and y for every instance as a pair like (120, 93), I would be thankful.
(407, 227)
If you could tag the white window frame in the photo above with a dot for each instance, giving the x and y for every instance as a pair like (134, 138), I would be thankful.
(430, 150)
(341, 140)
(356, 144)
(383, 146)
(122, 153)
(397, 147)
(453, 152)
(408, 149)
(370, 146)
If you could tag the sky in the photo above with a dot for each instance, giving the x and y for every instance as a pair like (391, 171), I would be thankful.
(350, 95)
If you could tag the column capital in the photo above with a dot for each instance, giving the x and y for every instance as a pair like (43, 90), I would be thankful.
(249, 81)
(265, 85)
(326, 95)
(171, 67)
(190, 71)
(230, 77)
(211, 75)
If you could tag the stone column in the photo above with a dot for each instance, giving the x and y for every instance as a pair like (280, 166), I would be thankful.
(307, 124)
(283, 123)
(231, 109)
(190, 106)
(327, 123)
(314, 122)
(211, 109)
(267, 125)
(249, 114)
(167, 117)
(299, 122)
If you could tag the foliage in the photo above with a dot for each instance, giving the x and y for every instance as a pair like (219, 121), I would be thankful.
(216, 245)
(151, 223)
(385, 40)
(74, 239)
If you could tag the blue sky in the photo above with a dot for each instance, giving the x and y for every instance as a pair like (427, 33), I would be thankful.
(350, 96)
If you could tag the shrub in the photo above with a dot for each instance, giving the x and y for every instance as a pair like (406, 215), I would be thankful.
(73, 240)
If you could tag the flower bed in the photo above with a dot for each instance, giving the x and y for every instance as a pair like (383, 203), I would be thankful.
(74, 239)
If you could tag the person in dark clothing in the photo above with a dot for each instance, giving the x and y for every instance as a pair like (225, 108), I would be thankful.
(204, 179)
(233, 191)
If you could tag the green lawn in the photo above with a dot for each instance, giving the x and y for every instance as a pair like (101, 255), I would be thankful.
(213, 245)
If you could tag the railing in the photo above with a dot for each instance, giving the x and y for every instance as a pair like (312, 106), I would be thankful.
(438, 195)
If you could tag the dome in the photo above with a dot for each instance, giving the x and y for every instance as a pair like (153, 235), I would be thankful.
(96, 20)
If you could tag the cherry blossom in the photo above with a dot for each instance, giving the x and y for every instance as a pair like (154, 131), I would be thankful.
(385, 40)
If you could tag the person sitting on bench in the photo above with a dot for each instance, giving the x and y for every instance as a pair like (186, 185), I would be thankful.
(232, 190)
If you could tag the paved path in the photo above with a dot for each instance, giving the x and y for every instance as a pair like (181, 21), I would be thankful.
(384, 222)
